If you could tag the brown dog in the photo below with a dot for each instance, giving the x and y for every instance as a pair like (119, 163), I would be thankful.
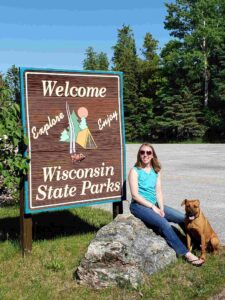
(198, 227)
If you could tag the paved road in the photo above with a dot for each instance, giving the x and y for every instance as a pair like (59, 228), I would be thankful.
(192, 171)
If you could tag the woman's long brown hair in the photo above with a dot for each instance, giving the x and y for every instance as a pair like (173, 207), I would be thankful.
(155, 163)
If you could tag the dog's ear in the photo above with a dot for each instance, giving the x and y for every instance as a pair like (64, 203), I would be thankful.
(184, 202)
(198, 202)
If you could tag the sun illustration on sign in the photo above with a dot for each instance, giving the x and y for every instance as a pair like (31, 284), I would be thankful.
(77, 132)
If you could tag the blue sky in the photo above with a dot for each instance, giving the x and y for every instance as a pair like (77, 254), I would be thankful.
(55, 34)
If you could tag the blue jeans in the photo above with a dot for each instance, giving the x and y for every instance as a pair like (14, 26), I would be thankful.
(161, 225)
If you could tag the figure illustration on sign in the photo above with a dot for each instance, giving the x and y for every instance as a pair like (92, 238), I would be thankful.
(77, 132)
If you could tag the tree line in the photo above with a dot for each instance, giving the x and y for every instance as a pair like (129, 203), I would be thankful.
(172, 94)
(176, 93)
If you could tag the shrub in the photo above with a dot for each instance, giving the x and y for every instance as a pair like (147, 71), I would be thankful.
(12, 163)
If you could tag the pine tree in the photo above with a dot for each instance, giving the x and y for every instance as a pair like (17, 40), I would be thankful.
(125, 60)
(65, 135)
(149, 80)
(149, 67)
(215, 114)
(95, 61)
(103, 63)
(76, 124)
(177, 109)
(91, 61)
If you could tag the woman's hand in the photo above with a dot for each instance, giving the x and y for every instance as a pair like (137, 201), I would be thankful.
(158, 211)
(162, 213)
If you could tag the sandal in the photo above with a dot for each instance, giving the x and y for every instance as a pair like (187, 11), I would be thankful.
(198, 262)
(194, 260)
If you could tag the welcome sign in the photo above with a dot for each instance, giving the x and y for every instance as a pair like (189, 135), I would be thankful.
(74, 124)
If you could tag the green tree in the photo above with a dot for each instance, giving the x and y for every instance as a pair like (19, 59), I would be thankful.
(178, 106)
(95, 61)
(178, 117)
(215, 113)
(125, 60)
(200, 24)
(103, 62)
(91, 60)
(76, 123)
(149, 81)
(13, 83)
(198, 27)
(149, 67)
(1, 79)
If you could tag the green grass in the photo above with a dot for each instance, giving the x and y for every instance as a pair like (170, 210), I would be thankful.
(59, 243)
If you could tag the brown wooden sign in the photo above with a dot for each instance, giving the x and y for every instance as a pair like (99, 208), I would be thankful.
(74, 123)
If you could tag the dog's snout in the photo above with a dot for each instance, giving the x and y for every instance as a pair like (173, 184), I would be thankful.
(190, 211)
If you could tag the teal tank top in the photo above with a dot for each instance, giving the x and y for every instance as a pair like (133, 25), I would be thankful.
(147, 184)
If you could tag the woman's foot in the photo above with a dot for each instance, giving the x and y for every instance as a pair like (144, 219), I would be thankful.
(194, 260)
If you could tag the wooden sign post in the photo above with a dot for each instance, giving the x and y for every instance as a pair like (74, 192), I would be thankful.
(74, 123)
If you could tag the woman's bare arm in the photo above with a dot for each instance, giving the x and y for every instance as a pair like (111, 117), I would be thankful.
(133, 182)
(159, 193)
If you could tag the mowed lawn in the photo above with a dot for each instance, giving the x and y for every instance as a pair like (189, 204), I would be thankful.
(60, 240)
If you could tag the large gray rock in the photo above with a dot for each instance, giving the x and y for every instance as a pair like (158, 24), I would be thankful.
(122, 253)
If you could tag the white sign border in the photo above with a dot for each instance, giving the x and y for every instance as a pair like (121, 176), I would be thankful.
(33, 208)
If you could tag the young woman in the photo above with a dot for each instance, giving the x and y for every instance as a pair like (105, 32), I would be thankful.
(147, 201)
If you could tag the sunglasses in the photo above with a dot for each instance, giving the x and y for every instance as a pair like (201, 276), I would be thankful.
(142, 152)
